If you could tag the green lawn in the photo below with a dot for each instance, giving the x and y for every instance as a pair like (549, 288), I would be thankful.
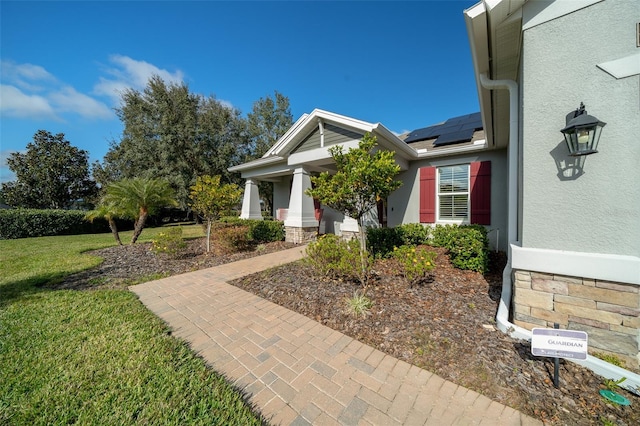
(95, 357)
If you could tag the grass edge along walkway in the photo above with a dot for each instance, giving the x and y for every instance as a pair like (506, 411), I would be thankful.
(95, 357)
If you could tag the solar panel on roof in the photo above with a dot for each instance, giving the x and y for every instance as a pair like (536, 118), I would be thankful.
(459, 136)
(456, 129)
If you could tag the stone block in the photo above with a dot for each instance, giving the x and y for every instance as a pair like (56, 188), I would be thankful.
(600, 294)
(533, 298)
(625, 330)
(590, 322)
(549, 286)
(618, 309)
(531, 320)
(588, 282)
(609, 340)
(567, 279)
(541, 276)
(522, 309)
(633, 322)
(522, 276)
(593, 314)
(625, 288)
(577, 301)
(550, 316)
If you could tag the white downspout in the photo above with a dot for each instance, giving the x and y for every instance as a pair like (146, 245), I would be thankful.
(598, 366)
(502, 318)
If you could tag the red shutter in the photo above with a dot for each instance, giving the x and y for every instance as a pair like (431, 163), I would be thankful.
(481, 193)
(428, 195)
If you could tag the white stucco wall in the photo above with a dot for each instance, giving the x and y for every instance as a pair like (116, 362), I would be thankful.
(599, 211)
(404, 203)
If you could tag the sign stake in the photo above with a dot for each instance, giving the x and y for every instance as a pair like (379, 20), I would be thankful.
(556, 365)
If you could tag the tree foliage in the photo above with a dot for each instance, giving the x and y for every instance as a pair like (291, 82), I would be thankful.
(137, 198)
(174, 134)
(209, 199)
(52, 174)
(364, 176)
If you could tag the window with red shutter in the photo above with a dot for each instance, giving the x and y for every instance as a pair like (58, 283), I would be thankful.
(480, 177)
(428, 195)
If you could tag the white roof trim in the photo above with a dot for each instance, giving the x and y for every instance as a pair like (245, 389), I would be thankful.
(264, 161)
(623, 67)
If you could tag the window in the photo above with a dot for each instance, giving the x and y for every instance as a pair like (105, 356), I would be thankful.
(456, 193)
(453, 193)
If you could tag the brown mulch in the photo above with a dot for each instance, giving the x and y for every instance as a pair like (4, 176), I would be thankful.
(446, 325)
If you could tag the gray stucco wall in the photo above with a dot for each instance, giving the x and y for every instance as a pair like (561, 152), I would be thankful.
(404, 203)
(598, 211)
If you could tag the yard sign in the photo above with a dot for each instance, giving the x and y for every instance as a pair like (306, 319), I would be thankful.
(559, 343)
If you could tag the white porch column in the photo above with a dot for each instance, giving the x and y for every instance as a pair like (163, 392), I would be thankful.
(301, 209)
(251, 201)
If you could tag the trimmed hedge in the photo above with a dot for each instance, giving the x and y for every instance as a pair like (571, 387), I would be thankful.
(26, 223)
(260, 231)
(381, 241)
(468, 245)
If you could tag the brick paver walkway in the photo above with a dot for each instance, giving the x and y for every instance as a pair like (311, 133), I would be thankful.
(299, 372)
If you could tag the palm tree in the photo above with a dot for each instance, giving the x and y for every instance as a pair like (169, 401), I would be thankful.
(109, 212)
(137, 198)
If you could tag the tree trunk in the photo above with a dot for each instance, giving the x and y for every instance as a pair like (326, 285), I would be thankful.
(208, 235)
(139, 225)
(363, 253)
(114, 230)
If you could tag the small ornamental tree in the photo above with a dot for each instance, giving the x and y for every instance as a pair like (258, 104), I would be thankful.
(110, 212)
(209, 199)
(138, 198)
(364, 176)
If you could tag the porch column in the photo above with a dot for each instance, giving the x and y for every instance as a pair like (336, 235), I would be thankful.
(251, 201)
(349, 228)
(301, 224)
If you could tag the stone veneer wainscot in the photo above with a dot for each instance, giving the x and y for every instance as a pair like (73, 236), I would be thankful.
(609, 312)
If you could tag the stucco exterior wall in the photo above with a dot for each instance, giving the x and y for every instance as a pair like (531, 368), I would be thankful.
(281, 192)
(597, 211)
(404, 203)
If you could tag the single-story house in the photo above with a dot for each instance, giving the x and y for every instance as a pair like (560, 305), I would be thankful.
(450, 174)
(569, 222)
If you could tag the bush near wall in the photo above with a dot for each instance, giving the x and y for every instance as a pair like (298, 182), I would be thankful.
(260, 231)
(468, 245)
(25, 223)
(382, 241)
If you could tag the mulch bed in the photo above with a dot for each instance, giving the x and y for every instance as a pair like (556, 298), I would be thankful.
(446, 325)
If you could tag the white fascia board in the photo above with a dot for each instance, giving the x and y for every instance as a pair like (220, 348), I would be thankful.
(282, 141)
(399, 146)
(623, 67)
(476, 22)
(606, 267)
(260, 162)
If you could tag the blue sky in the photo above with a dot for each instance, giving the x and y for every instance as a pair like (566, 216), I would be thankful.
(404, 64)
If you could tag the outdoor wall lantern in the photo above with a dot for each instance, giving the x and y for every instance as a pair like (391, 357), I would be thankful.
(582, 132)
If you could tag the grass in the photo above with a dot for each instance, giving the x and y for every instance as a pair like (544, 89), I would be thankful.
(95, 357)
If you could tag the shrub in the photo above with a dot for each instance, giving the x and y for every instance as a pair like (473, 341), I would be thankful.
(230, 239)
(381, 241)
(266, 231)
(26, 223)
(467, 245)
(416, 263)
(414, 234)
(169, 242)
(333, 257)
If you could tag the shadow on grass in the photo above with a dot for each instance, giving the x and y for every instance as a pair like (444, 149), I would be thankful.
(13, 291)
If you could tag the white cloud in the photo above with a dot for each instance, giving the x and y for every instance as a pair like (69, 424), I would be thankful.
(16, 103)
(30, 91)
(69, 100)
(25, 76)
(6, 175)
(127, 73)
